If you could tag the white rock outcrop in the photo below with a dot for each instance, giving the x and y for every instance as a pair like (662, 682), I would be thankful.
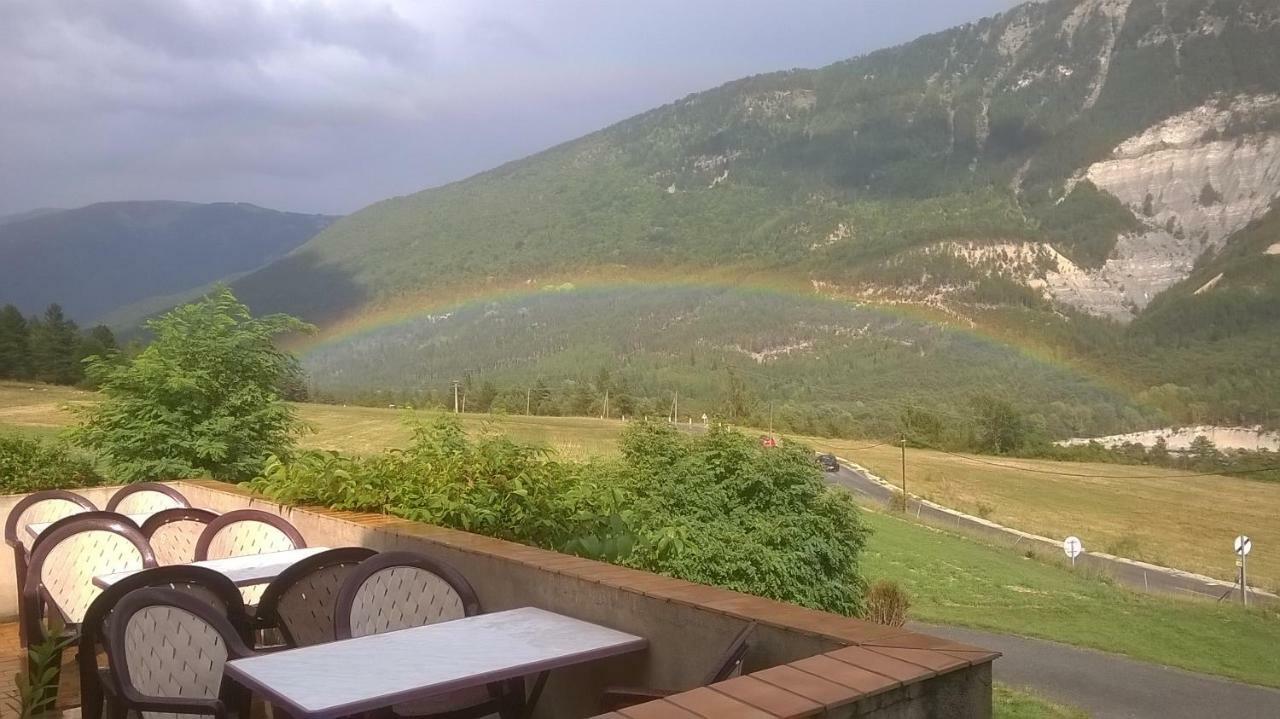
(1192, 187)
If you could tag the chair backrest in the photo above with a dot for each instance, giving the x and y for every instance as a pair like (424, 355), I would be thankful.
(145, 498)
(70, 554)
(209, 586)
(247, 531)
(398, 590)
(76, 518)
(302, 600)
(165, 644)
(730, 664)
(173, 533)
(40, 508)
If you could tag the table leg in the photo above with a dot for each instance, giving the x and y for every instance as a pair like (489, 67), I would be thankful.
(532, 702)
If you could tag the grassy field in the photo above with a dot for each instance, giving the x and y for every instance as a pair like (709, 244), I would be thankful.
(41, 410)
(1188, 523)
(957, 581)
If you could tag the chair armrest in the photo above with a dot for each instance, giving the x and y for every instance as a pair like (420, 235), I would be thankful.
(622, 697)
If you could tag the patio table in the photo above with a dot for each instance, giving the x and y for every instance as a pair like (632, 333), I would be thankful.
(36, 529)
(324, 681)
(243, 571)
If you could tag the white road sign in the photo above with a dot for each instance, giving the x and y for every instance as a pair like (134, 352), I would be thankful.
(1072, 546)
(1244, 545)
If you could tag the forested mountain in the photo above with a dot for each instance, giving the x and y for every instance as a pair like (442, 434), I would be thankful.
(96, 259)
(1068, 177)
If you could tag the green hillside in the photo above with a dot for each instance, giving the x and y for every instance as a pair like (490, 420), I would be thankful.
(860, 180)
(818, 366)
(97, 259)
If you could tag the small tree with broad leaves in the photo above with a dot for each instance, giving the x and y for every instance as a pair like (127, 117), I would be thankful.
(203, 398)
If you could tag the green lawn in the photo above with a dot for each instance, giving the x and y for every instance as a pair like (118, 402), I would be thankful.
(954, 580)
(1011, 703)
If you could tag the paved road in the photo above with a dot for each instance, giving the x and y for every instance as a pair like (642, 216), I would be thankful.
(1113, 687)
(1132, 574)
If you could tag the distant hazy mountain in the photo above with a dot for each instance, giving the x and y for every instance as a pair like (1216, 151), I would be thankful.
(1087, 180)
(97, 259)
(27, 215)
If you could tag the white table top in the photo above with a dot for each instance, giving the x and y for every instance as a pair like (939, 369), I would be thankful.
(354, 675)
(35, 530)
(243, 571)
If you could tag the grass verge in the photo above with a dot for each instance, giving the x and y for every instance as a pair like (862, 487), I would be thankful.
(1017, 703)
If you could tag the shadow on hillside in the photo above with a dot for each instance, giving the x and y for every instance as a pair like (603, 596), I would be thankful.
(301, 286)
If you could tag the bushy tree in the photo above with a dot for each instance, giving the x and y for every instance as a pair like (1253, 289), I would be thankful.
(55, 343)
(202, 398)
(1001, 428)
(15, 349)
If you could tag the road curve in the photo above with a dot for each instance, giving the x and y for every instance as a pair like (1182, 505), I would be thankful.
(1114, 687)
(1135, 575)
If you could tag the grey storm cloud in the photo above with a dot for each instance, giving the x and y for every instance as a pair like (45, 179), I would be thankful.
(328, 106)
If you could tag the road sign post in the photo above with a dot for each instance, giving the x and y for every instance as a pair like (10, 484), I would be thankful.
(1243, 545)
(1073, 547)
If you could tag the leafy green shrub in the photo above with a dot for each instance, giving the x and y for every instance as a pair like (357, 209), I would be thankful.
(717, 508)
(887, 603)
(721, 509)
(203, 397)
(28, 465)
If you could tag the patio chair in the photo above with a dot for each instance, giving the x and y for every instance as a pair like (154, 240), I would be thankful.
(300, 602)
(213, 588)
(729, 666)
(173, 533)
(63, 564)
(247, 531)
(36, 508)
(167, 651)
(400, 590)
(145, 498)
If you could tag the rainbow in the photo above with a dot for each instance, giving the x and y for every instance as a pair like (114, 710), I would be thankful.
(377, 317)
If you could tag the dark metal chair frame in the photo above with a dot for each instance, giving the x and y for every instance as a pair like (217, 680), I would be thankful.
(20, 556)
(246, 515)
(95, 683)
(233, 701)
(507, 698)
(268, 614)
(616, 698)
(177, 514)
(129, 489)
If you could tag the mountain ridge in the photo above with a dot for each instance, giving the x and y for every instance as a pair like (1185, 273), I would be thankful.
(96, 259)
(1011, 174)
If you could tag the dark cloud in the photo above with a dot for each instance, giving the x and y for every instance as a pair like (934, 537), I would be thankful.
(328, 106)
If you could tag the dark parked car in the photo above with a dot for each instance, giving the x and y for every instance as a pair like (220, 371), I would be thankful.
(829, 462)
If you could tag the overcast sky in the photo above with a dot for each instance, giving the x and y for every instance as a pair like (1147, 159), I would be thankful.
(329, 106)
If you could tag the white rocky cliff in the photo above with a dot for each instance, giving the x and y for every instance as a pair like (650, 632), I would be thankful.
(1193, 180)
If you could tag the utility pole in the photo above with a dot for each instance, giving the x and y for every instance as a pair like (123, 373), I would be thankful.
(528, 396)
(455, 396)
(904, 473)
(605, 413)
(675, 408)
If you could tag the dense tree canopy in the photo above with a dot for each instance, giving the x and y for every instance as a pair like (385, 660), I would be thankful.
(203, 397)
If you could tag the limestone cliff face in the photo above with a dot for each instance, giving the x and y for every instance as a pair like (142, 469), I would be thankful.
(1194, 181)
